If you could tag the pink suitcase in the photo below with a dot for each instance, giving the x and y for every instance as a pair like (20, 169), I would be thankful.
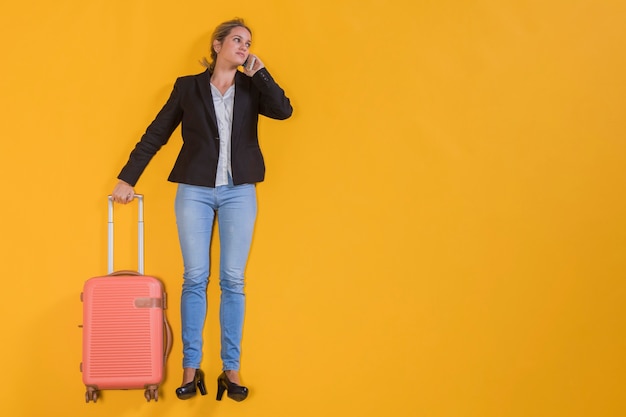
(126, 336)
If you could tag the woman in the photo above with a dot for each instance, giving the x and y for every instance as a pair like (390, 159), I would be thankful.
(216, 171)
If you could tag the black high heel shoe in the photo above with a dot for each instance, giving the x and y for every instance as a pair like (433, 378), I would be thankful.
(189, 390)
(234, 391)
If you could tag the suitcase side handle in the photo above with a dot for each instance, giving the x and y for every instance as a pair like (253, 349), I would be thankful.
(167, 348)
(140, 235)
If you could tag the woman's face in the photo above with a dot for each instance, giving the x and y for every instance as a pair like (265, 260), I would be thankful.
(234, 48)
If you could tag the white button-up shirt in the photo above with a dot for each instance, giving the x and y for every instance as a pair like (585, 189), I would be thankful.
(224, 112)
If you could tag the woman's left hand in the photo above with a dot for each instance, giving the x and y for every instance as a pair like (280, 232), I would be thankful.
(257, 64)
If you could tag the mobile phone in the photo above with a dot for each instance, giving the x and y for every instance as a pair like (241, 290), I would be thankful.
(249, 64)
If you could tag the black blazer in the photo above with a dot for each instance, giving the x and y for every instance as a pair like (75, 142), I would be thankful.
(191, 104)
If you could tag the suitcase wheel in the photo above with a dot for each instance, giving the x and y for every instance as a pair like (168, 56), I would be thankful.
(91, 395)
(151, 394)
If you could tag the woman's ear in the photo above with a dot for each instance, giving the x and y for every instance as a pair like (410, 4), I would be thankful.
(217, 46)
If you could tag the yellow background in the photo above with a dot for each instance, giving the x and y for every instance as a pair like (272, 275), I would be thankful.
(441, 231)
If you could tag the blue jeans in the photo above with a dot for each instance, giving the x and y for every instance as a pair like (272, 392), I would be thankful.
(236, 209)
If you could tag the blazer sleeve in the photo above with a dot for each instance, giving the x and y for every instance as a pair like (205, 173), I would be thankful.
(274, 104)
(157, 134)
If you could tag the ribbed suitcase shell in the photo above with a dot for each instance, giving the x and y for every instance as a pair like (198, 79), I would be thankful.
(122, 332)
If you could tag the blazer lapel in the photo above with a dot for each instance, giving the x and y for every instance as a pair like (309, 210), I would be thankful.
(242, 99)
(204, 85)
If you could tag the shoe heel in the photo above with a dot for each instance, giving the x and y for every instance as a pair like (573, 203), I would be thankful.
(220, 391)
(201, 386)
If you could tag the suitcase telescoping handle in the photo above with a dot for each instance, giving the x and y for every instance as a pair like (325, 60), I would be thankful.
(140, 244)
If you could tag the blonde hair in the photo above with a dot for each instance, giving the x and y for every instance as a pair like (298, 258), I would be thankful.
(219, 34)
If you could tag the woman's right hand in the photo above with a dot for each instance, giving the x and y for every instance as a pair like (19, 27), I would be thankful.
(123, 193)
